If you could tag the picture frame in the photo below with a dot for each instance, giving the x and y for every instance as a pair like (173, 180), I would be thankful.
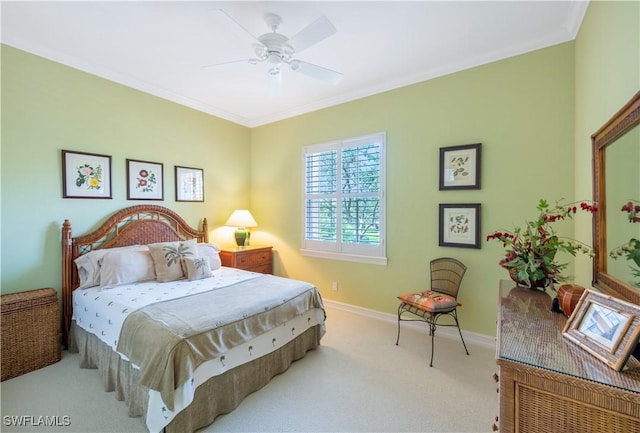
(145, 180)
(459, 225)
(86, 175)
(606, 327)
(189, 184)
(460, 167)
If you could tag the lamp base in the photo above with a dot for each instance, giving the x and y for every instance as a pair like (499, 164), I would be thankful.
(242, 237)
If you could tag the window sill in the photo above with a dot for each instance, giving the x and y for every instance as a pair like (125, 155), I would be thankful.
(382, 261)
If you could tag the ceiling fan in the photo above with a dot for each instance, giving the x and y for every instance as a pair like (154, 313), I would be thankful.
(277, 51)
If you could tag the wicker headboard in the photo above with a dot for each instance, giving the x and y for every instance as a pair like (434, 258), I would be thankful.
(135, 225)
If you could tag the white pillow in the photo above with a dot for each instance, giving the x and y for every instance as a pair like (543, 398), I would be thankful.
(167, 258)
(89, 264)
(197, 268)
(121, 267)
(212, 252)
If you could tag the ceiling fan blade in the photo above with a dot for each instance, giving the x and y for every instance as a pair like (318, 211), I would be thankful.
(312, 34)
(224, 19)
(234, 62)
(316, 71)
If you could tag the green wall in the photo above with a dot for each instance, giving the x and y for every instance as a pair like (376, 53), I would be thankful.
(533, 113)
(607, 76)
(47, 107)
(520, 109)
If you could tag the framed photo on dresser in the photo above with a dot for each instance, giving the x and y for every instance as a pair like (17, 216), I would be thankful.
(606, 327)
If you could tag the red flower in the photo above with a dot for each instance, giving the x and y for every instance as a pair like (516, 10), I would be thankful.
(632, 210)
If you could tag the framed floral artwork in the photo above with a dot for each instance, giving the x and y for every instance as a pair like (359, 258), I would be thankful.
(460, 166)
(145, 180)
(85, 175)
(606, 327)
(459, 225)
(189, 184)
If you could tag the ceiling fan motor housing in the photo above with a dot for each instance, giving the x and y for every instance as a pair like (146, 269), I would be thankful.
(275, 48)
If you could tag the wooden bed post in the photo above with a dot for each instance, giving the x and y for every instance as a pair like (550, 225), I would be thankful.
(205, 229)
(67, 281)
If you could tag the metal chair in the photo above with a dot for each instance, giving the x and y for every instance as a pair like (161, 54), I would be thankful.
(429, 306)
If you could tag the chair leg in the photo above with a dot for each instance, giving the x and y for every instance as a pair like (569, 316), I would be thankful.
(460, 332)
(399, 313)
(432, 331)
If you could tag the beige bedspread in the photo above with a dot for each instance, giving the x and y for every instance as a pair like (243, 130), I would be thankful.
(169, 340)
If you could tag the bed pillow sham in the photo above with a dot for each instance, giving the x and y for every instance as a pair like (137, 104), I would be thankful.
(212, 252)
(129, 266)
(167, 258)
(89, 264)
(197, 267)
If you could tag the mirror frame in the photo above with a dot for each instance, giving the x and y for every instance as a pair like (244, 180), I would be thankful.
(622, 122)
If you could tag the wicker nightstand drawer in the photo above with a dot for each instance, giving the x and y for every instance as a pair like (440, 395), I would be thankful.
(251, 258)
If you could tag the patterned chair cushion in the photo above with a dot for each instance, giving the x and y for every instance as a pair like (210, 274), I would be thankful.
(429, 301)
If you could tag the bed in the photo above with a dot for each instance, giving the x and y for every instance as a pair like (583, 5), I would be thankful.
(178, 337)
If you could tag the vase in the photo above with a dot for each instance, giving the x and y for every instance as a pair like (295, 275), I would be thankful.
(535, 284)
(568, 297)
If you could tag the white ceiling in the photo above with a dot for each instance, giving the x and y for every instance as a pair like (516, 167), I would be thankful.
(161, 47)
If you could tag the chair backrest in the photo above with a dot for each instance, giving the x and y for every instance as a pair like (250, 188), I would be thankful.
(446, 275)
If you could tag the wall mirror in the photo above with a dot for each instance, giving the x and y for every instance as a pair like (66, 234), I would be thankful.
(616, 180)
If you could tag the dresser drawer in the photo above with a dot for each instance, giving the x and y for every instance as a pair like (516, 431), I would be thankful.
(263, 269)
(254, 258)
(251, 258)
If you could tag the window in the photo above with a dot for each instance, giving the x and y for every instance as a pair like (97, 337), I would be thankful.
(344, 204)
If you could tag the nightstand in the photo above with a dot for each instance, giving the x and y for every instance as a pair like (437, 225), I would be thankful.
(256, 258)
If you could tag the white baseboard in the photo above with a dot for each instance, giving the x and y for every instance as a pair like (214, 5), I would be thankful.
(472, 338)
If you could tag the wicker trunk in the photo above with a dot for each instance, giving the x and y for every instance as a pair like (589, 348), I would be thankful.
(30, 337)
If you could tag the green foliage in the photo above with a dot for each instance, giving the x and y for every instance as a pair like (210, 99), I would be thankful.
(530, 250)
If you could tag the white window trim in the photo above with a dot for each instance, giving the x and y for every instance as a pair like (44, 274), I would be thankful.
(339, 251)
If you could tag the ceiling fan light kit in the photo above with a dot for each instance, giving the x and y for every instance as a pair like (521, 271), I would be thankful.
(276, 50)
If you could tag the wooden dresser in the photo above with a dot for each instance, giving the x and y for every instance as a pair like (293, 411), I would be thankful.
(251, 258)
(549, 384)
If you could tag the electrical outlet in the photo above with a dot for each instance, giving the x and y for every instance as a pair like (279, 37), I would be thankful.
(334, 286)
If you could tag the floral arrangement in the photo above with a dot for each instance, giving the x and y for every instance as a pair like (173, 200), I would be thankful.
(530, 250)
(633, 210)
(631, 249)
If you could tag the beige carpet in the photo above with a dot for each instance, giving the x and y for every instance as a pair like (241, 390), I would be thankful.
(357, 381)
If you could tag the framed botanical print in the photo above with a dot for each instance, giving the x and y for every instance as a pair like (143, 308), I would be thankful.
(145, 180)
(189, 184)
(459, 225)
(460, 167)
(85, 175)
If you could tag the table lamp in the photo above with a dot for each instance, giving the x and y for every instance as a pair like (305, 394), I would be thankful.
(243, 220)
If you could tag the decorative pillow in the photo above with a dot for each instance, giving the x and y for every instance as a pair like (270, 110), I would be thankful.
(197, 268)
(429, 301)
(167, 258)
(121, 267)
(212, 252)
(89, 264)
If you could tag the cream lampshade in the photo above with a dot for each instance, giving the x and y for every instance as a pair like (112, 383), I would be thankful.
(243, 220)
